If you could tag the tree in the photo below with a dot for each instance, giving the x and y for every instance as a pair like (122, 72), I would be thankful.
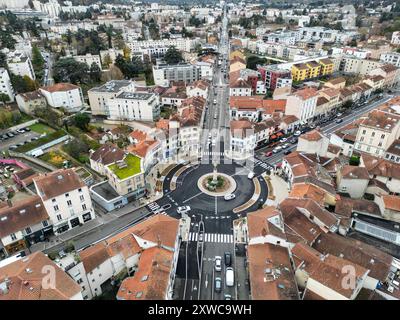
(253, 61)
(3, 60)
(127, 53)
(82, 120)
(37, 62)
(4, 97)
(70, 70)
(107, 60)
(22, 84)
(173, 56)
(95, 72)
(48, 114)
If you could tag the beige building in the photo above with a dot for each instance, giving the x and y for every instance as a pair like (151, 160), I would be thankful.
(302, 104)
(377, 132)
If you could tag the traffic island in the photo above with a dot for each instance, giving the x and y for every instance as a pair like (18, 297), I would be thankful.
(216, 185)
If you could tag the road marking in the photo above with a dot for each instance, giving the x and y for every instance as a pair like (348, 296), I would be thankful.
(196, 195)
(212, 237)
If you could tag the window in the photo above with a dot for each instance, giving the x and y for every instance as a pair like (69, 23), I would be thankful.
(82, 198)
(56, 208)
(67, 195)
(79, 281)
(373, 134)
(59, 217)
(13, 237)
(84, 207)
(53, 200)
(383, 136)
(45, 223)
(69, 203)
(28, 230)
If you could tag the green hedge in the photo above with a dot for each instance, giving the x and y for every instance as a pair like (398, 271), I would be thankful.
(42, 141)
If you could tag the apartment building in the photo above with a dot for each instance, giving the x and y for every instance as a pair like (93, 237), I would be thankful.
(20, 64)
(64, 95)
(275, 77)
(22, 224)
(165, 73)
(66, 199)
(5, 85)
(99, 97)
(395, 38)
(89, 59)
(302, 104)
(354, 65)
(312, 69)
(377, 132)
(182, 44)
(131, 106)
(391, 57)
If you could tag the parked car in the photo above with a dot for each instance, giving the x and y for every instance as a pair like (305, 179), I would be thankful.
(27, 129)
(339, 120)
(230, 196)
(277, 149)
(12, 147)
(283, 140)
(293, 140)
(228, 258)
(228, 297)
(297, 133)
(218, 263)
(218, 284)
(268, 154)
(183, 209)
(10, 135)
(21, 131)
(229, 277)
(339, 115)
(287, 152)
(250, 175)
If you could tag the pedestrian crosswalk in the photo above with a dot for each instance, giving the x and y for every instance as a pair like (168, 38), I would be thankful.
(154, 206)
(262, 164)
(212, 237)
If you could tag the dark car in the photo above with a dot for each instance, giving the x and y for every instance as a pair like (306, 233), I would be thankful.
(27, 129)
(293, 140)
(10, 134)
(228, 258)
(218, 284)
(287, 152)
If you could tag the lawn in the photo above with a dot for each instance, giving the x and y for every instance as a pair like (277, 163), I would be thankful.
(132, 167)
(41, 128)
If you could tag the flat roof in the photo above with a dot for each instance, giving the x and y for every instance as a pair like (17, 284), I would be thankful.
(134, 95)
(112, 86)
(105, 190)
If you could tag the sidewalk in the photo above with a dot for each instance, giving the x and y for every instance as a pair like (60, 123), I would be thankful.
(280, 188)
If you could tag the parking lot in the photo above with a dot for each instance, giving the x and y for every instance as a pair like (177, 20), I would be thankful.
(18, 138)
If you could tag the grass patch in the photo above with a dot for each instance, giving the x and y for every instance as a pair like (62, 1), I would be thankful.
(132, 167)
(54, 158)
(46, 139)
(41, 128)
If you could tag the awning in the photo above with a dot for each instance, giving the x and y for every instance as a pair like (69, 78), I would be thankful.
(279, 134)
(273, 137)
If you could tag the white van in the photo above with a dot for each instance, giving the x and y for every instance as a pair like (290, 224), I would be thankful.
(229, 277)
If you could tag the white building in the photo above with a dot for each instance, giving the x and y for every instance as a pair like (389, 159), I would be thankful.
(89, 59)
(395, 38)
(134, 106)
(99, 97)
(302, 104)
(20, 65)
(5, 84)
(64, 95)
(391, 57)
(66, 199)
(165, 73)
(52, 7)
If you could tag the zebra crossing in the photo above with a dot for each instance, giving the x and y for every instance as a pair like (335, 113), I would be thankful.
(262, 164)
(154, 206)
(212, 237)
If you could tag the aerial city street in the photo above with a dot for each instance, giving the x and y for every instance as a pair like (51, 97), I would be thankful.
(211, 151)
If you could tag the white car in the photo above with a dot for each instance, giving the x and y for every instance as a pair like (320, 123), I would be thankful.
(283, 140)
(183, 209)
(229, 197)
(250, 175)
(215, 101)
(284, 146)
(218, 263)
(297, 133)
(277, 149)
